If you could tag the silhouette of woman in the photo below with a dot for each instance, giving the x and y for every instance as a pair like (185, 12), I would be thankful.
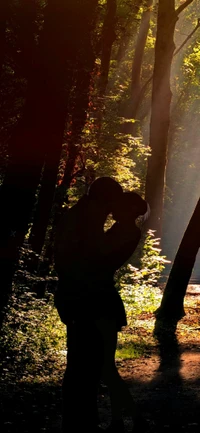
(120, 243)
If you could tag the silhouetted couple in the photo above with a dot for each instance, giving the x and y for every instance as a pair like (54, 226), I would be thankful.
(86, 259)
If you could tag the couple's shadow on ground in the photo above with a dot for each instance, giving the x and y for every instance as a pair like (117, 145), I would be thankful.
(170, 401)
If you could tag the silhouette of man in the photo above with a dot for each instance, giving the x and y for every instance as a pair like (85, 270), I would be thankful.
(78, 250)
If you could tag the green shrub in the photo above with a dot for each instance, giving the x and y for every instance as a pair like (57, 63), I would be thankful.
(33, 338)
(139, 285)
(33, 341)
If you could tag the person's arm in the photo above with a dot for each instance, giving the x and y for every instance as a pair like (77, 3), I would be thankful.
(120, 243)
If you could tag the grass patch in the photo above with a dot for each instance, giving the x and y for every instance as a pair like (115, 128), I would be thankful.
(133, 350)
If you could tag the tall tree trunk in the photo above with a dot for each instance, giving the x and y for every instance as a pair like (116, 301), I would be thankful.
(42, 125)
(137, 67)
(45, 199)
(4, 12)
(26, 30)
(78, 118)
(172, 301)
(108, 37)
(79, 98)
(160, 109)
(160, 112)
(126, 35)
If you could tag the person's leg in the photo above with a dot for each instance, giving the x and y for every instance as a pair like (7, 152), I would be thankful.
(81, 378)
(120, 396)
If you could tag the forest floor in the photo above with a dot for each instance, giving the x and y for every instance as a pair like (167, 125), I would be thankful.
(165, 384)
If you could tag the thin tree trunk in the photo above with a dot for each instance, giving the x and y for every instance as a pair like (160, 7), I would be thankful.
(173, 298)
(146, 110)
(137, 67)
(160, 112)
(108, 37)
(125, 35)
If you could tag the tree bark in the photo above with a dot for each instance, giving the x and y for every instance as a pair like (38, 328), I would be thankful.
(173, 298)
(84, 64)
(78, 119)
(45, 199)
(160, 112)
(4, 12)
(26, 30)
(126, 34)
(42, 125)
(137, 67)
(108, 37)
(160, 109)
(146, 84)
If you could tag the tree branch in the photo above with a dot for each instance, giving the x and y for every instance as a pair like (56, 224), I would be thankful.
(176, 52)
(183, 6)
(188, 37)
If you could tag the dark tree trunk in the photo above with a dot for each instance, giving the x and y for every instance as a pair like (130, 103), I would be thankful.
(42, 126)
(139, 54)
(173, 298)
(4, 12)
(137, 67)
(45, 199)
(83, 66)
(160, 112)
(48, 183)
(126, 34)
(26, 30)
(78, 113)
(108, 37)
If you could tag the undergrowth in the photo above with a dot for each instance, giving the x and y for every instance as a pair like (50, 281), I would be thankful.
(33, 339)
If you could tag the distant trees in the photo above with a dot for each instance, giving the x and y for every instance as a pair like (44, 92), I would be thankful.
(107, 38)
(136, 89)
(160, 109)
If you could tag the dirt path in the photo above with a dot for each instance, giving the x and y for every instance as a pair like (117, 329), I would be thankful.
(168, 394)
(165, 385)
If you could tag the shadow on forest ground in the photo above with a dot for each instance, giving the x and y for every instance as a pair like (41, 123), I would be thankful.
(166, 386)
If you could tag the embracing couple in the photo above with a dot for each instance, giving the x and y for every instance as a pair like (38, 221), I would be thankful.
(86, 259)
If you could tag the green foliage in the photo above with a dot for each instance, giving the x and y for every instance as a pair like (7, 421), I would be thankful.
(191, 67)
(33, 338)
(139, 289)
(139, 285)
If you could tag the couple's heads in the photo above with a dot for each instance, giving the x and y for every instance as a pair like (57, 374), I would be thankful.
(110, 194)
(130, 207)
(105, 190)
